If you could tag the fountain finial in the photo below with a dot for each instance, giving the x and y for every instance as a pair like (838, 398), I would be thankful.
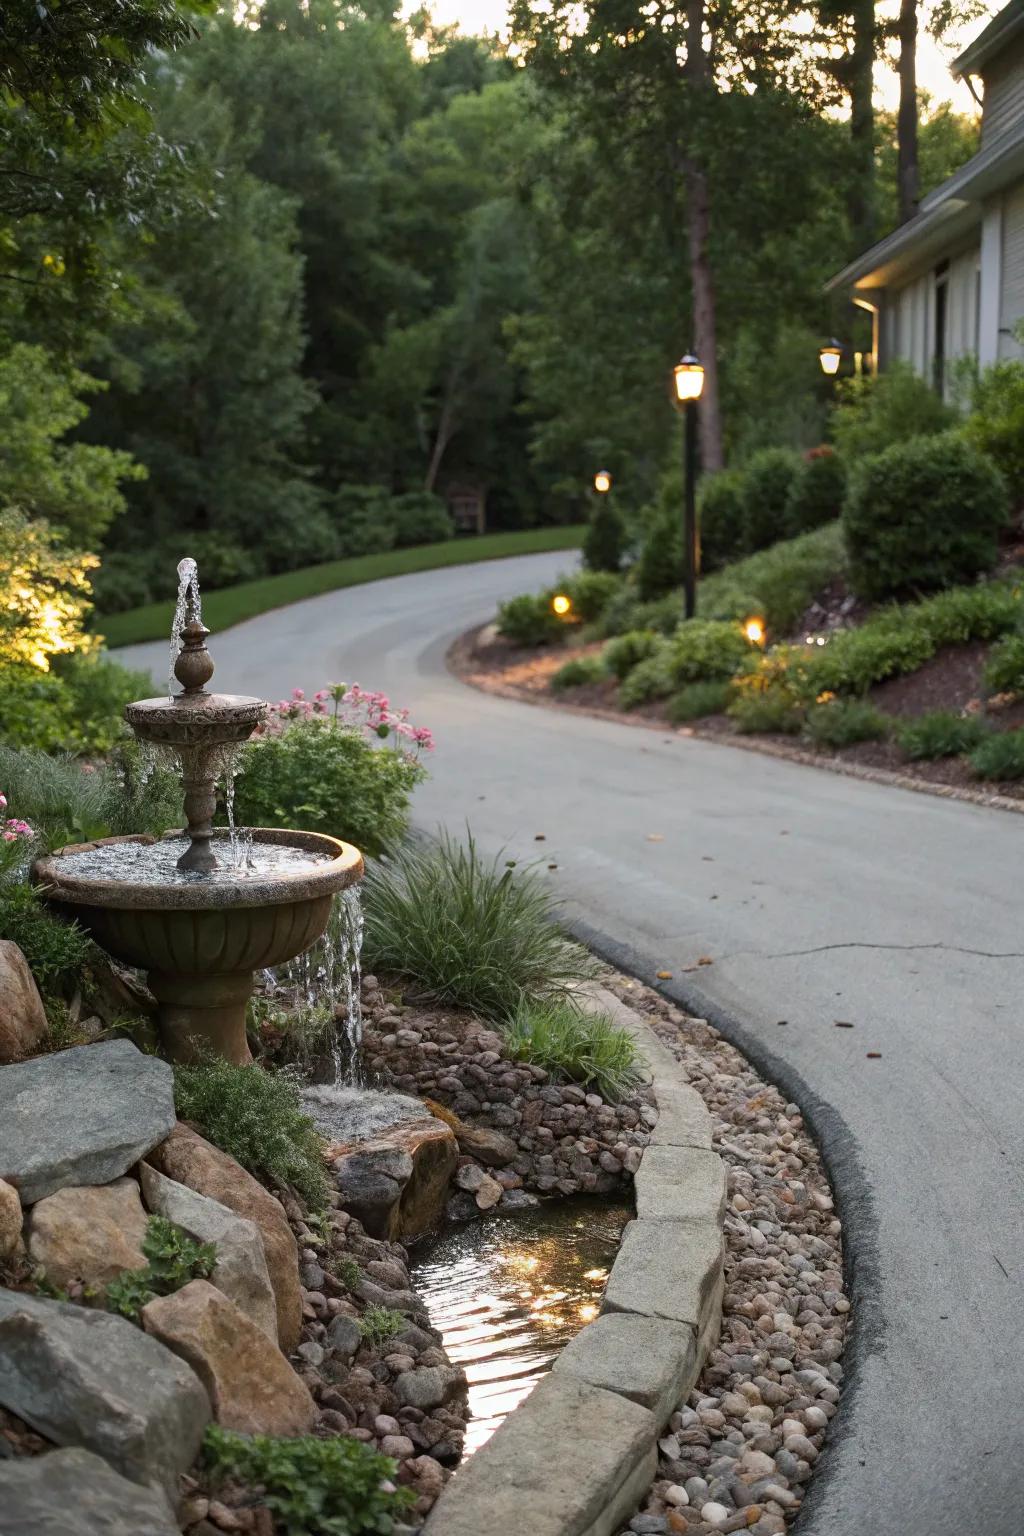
(194, 665)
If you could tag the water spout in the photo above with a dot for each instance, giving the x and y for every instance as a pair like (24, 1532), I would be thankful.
(188, 607)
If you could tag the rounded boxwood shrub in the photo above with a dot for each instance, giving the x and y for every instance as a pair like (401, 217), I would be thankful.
(626, 651)
(923, 515)
(767, 483)
(708, 650)
(1004, 669)
(660, 567)
(720, 511)
(419, 517)
(604, 542)
(529, 619)
(591, 592)
(996, 422)
(817, 492)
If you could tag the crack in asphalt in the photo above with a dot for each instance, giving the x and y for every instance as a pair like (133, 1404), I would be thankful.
(820, 949)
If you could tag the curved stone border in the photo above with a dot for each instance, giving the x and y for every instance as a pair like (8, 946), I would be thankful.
(577, 1457)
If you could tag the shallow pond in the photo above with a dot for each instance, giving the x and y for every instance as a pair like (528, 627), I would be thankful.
(508, 1292)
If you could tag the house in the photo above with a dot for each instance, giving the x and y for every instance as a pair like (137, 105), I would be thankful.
(950, 282)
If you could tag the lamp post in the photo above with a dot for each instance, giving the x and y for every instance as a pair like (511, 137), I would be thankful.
(830, 356)
(688, 378)
(602, 482)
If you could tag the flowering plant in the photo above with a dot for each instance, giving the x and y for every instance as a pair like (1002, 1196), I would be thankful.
(16, 838)
(355, 708)
(318, 764)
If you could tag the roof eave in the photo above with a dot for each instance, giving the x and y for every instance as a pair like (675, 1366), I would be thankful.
(1003, 27)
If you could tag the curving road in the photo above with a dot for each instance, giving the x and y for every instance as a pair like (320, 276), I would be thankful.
(818, 898)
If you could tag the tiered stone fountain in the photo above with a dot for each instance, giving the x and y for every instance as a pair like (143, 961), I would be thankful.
(185, 908)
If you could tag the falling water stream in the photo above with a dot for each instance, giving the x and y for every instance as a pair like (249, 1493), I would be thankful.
(188, 606)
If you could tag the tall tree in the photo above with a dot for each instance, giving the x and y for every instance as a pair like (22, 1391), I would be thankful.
(908, 174)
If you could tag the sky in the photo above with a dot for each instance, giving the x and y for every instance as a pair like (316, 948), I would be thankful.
(933, 61)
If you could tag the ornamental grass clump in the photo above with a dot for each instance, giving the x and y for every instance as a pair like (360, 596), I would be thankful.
(941, 733)
(256, 1117)
(466, 930)
(586, 1048)
(999, 756)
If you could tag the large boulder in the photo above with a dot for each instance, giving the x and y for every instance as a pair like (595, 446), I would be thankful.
(188, 1159)
(90, 1379)
(396, 1184)
(22, 1018)
(88, 1233)
(73, 1493)
(241, 1269)
(251, 1386)
(83, 1116)
(490, 1146)
(10, 1220)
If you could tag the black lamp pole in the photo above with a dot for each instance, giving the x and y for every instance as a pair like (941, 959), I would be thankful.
(690, 507)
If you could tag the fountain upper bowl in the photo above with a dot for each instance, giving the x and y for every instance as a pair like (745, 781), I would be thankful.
(332, 866)
(197, 719)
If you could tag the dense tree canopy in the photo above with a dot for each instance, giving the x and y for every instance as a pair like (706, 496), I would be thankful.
(311, 267)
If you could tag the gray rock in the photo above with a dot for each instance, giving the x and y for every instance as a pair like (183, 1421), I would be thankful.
(91, 1379)
(241, 1269)
(428, 1386)
(343, 1336)
(649, 1525)
(518, 1200)
(73, 1493)
(83, 1116)
(415, 1338)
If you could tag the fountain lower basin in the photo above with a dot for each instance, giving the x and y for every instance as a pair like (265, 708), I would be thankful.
(198, 938)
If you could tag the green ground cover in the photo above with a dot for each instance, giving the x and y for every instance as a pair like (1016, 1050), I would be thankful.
(234, 604)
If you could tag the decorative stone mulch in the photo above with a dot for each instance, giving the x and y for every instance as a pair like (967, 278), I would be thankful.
(552, 1138)
(739, 1453)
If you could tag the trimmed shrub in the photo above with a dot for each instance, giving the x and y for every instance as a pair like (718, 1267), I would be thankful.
(591, 592)
(996, 423)
(999, 756)
(841, 722)
(648, 680)
(767, 483)
(586, 1048)
(923, 515)
(698, 700)
(769, 697)
(625, 652)
(894, 407)
(419, 518)
(817, 492)
(1004, 669)
(578, 672)
(529, 619)
(256, 1117)
(660, 566)
(707, 650)
(721, 517)
(472, 932)
(604, 543)
(940, 733)
(779, 583)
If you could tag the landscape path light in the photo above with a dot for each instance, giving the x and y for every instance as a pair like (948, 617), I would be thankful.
(602, 481)
(688, 379)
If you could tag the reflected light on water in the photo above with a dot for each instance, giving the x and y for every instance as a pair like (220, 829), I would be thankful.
(508, 1292)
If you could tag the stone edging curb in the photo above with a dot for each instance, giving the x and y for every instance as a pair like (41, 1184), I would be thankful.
(576, 1458)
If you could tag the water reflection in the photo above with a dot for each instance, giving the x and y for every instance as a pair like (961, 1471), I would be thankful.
(507, 1292)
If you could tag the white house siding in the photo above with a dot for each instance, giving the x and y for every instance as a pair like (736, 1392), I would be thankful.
(1004, 92)
(910, 322)
(962, 305)
(1011, 306)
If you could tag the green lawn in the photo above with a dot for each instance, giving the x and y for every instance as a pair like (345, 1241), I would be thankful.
(233, 604)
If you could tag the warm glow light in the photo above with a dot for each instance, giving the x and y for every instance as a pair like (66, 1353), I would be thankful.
(602, 481)
(561, 604)
(830, 356)
(754, 631)
(688, 374)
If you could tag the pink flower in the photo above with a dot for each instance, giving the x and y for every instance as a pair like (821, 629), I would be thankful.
(3, 802)
(298, 693)
(424, 738)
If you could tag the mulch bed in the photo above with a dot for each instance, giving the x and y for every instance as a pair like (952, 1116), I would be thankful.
(951, 680)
